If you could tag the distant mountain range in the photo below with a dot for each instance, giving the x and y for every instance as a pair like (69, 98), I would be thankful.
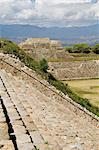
(68, 35)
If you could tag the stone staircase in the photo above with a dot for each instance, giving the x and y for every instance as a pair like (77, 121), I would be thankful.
(42, 122)
(5, 142)
(26, 132)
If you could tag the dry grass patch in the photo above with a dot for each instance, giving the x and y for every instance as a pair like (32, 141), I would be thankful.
(87, 89)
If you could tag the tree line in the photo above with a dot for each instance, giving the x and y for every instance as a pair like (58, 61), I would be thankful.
(83, 48)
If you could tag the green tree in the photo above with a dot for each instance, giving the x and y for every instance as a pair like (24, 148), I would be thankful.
(95, 49)
(69, 49)
(43, 65)
(81, 48)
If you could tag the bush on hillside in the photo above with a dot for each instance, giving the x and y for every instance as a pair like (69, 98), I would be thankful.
(81, 48)
(95, 49)
(69, 49)
(8, 46)
(43, 65)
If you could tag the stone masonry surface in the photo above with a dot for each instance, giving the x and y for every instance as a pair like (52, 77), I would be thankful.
(75, 69)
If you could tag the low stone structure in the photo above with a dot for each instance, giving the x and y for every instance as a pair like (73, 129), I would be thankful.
(75, 69)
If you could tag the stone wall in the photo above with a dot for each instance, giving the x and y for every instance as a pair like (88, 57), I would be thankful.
(75, 70)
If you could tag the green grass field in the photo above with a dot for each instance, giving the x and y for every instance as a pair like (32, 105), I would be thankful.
(87, 89)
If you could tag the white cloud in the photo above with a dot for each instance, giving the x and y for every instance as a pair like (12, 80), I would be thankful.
(49, 13)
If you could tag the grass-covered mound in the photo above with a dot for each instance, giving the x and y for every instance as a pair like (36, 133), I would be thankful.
(41, 67)
(9, 47)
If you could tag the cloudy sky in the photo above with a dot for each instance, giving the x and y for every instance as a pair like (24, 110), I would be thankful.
(60, 13)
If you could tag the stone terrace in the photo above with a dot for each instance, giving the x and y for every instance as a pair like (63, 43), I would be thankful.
(75, 69)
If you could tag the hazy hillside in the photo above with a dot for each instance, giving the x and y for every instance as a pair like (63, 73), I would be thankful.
(89, 34)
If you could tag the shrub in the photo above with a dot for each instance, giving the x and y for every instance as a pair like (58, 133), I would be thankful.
(43, 65)
(81, 48)
(69, 49)
(95, 49)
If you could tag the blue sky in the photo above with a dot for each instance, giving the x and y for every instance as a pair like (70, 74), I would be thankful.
(60, 13)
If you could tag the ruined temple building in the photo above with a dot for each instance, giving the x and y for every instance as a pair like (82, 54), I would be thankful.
(35, 43)
(43, 48)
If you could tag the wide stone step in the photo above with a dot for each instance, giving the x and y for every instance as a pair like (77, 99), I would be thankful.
(5, 142)
(21, 135)
(19, 130)
(24, 98)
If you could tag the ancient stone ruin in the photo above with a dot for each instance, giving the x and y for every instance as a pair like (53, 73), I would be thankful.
(75, 69)
(44, 48)
(39, 117)
(35, 43)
